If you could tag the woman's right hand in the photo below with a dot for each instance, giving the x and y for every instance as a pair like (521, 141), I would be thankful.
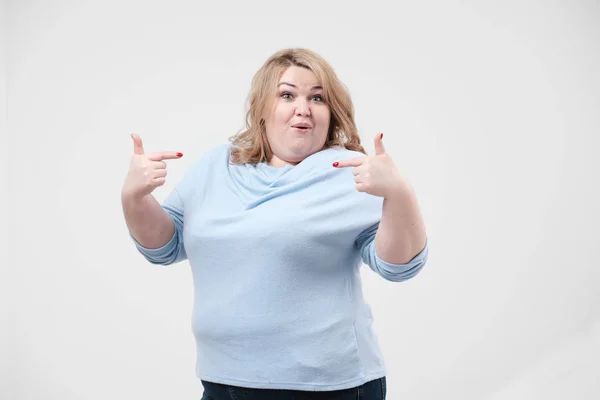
(146, 171)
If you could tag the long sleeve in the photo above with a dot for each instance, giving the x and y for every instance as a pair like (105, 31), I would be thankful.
(391, 272)
(173, 251)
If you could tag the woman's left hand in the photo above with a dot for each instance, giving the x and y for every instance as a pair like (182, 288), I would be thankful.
(376, 175)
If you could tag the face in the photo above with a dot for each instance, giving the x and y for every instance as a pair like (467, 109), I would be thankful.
(298, 125)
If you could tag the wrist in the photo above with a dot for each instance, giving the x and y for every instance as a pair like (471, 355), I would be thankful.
(132, 200)
(399, 189)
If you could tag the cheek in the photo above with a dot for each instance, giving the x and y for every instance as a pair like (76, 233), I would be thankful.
(276, 121)
(282, 114)
(323, 117)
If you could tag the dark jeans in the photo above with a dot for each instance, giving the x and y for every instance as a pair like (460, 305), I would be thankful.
(373, 390)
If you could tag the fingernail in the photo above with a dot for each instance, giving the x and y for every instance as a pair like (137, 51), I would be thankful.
(179, 154)
(381, 137)
(335, 164)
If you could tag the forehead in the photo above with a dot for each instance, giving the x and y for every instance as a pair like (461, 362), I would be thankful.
(302, 78)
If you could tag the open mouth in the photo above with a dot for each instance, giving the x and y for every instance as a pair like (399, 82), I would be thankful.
(302, 126)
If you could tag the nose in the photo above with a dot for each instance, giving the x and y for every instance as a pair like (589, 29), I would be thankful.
(302, 108)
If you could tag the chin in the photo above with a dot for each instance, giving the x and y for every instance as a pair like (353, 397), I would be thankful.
(297, 157)
(295, 154)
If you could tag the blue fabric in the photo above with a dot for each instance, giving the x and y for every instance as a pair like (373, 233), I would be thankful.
(275, 255)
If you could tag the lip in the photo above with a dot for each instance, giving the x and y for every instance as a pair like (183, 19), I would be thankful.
(302, 125)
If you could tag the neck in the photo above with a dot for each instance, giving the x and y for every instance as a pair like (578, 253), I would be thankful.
(279, 163)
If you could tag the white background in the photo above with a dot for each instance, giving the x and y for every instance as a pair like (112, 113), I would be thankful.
(491, 109)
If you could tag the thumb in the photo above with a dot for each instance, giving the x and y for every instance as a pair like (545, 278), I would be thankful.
(379, 148)
(138, 148)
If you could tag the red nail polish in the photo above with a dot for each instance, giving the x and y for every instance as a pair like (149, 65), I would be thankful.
(381, 137)
(335, 164)
(179, 154)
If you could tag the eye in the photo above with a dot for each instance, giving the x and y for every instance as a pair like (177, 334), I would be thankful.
(318, 97)
(286, 95)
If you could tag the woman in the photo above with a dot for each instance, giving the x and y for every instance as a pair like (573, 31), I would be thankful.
(275, 226)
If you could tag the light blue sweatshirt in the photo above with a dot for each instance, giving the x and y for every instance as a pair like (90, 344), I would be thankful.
(275, 256)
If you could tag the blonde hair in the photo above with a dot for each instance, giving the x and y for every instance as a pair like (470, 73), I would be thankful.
(252, 146)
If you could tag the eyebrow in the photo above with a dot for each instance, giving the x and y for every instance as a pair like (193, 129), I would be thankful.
(292, 85)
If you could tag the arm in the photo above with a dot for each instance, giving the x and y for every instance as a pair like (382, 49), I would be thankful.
(392, 272)
(156, 230)
(401, 234)
(396, 246)
(147, 221)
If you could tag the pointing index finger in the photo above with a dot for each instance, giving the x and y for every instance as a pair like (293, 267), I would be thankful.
(350, 162)
(164, 155)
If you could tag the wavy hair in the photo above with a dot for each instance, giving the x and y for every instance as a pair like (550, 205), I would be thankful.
(251, 145)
